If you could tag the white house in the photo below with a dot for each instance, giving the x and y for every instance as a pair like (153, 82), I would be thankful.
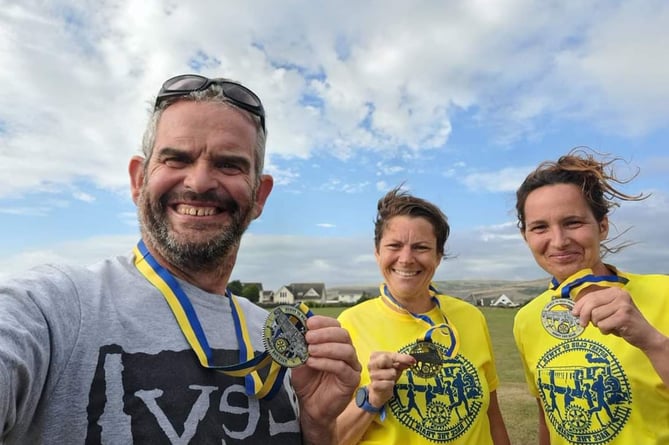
(300, 292)
(349, 297)
(503, 301)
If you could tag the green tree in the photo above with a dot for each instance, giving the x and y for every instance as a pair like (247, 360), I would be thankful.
(251, 292)
(364, 297)
(236, 287)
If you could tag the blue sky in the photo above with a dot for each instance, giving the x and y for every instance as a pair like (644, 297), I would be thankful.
(458, 100)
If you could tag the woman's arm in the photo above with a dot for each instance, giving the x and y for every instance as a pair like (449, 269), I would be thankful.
(352, 424)
(544, 438)
(497, 427)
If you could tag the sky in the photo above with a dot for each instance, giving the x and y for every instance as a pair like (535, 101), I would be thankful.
(457, 100)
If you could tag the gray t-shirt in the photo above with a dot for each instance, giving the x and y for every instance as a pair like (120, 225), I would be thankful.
(94, 355)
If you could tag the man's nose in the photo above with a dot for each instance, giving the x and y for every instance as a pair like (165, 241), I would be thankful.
(200, 177)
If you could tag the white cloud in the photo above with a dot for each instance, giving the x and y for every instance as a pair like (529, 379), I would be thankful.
(29, 211)
(83, 196)
(339, 185)
(82, 78)
(504, 180)
(485, 252)
(363, 86)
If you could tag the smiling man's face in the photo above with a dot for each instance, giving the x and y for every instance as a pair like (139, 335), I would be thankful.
(199, 191)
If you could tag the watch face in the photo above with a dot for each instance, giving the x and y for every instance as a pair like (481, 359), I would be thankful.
(361, 396)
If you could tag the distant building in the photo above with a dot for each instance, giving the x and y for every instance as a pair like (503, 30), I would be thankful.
(500, 301)
(300, 292)
(349, 297)
(266, 296)
(503, 301)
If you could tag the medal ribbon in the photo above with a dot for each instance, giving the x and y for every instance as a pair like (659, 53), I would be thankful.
(190, 326)
(445, 328)
(571, 287)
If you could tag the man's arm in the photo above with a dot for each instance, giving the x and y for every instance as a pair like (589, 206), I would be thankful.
(24, 358)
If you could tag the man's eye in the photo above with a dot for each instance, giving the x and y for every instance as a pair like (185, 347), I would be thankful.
(174, 162)
(231, 169)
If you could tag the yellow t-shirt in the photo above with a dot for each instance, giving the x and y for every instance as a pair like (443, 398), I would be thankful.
(449, 407)
(595, 388)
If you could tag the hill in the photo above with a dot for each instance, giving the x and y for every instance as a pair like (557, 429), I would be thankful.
(469, 290)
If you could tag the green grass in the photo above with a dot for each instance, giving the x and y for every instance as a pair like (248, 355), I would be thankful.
(518, 406)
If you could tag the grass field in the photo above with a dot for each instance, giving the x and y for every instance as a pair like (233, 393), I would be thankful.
(518, 406)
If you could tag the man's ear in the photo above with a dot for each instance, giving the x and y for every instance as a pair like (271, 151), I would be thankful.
(262, 192)
(136, 171)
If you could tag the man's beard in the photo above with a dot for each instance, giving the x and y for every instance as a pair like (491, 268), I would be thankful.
(188, 254)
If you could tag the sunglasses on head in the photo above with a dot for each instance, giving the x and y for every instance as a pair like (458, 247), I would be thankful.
(238, 94)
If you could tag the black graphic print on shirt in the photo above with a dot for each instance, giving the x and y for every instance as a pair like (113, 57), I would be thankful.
(168, 398)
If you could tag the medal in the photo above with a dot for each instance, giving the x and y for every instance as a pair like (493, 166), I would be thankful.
(558, 320)
(249, 362)
(283, 336)
(428, 359)
(556, 316)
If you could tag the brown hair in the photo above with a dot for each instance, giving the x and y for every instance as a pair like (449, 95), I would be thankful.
(400, 203)
(595, 177)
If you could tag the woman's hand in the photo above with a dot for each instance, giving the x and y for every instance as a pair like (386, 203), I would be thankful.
(384, 370)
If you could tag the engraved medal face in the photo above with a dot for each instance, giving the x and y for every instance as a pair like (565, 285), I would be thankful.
(558, 320)
(428, 359)
(283, 336)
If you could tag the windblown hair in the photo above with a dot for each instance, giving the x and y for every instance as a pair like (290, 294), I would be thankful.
(400, 203)
(595, 177)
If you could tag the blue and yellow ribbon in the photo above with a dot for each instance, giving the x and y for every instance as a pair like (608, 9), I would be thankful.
(190, 326)
(444, 328)
(572, 286)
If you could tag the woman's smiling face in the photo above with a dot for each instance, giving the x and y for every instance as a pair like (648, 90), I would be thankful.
(562, 232)
(407, 257)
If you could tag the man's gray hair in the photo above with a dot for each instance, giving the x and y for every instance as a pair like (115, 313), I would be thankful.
(212, 94)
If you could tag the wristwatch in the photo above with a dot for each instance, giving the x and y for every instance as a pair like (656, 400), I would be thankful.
(362, 400)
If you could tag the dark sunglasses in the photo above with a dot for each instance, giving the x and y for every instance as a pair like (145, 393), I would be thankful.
(238, 94)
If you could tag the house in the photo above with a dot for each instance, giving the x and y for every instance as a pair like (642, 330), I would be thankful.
(481, 301)
(503, 301)
(349, 297)
(266, 296)
(294, 292)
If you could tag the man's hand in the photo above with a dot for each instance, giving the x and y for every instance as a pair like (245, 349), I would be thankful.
(325, 383)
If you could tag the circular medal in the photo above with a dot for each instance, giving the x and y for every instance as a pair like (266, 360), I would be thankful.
(558, 320)
(428, 359)
(283, 336)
